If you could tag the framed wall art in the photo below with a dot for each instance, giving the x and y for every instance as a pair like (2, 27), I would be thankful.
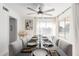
(28, 24)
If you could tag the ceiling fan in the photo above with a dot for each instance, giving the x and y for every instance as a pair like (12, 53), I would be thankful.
(40, 11)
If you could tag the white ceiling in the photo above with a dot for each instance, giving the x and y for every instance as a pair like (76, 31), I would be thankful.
(21, 9)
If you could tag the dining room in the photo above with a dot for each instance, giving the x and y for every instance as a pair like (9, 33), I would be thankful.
(39, 29)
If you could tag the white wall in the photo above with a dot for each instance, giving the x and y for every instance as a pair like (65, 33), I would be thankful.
(76, 27)
(4, 29)
(4, 32)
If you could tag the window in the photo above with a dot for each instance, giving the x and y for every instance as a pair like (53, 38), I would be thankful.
(46, 28)
(64, 27)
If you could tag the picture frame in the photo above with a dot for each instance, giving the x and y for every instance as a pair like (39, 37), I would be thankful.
(28, 24)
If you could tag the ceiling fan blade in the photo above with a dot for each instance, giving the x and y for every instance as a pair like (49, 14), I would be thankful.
(47, 14)
(31, 9)
(49, 10)
(31, 13)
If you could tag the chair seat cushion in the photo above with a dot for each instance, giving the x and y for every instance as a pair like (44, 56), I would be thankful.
(26, 50)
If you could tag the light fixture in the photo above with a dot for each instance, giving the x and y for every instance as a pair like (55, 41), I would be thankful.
(22, 34)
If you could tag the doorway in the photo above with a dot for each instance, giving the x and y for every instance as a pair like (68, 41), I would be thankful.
(13, 29)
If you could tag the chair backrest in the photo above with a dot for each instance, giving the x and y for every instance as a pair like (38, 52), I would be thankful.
(66, 47)
(15, 47)
(55, 41)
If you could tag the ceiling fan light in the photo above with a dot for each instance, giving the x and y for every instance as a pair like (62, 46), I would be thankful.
(40, 12)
